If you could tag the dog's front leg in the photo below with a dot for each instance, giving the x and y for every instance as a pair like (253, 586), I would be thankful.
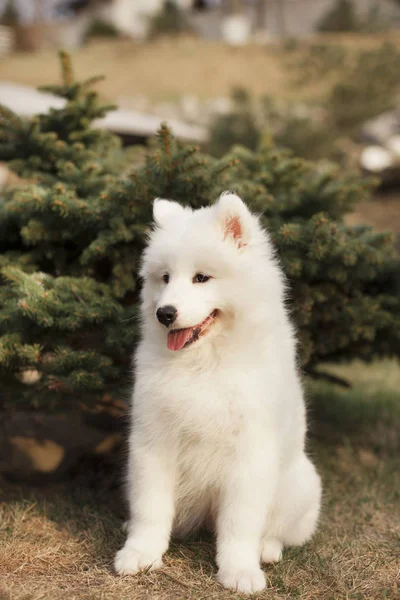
(246, 497)
(151, 477)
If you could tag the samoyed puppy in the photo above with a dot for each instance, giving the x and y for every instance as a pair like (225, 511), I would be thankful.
(218, 416)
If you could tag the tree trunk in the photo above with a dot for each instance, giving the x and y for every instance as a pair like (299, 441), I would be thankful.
(281, 17)
(261, 15)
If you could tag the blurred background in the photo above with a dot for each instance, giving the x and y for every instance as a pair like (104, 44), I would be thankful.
(320, 75)
(320, 78)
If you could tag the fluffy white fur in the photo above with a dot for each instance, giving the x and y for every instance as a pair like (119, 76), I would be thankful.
(218, 427)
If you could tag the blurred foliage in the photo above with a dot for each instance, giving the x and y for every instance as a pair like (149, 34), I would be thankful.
(340, 17)
(9, 16)
(238, 127)
(365, 84)
(343, 17)
(311, 62)
(170, 21)
(368, 86)
(102, 29)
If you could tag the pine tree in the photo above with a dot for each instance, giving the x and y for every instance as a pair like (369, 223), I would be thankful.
(71, 235)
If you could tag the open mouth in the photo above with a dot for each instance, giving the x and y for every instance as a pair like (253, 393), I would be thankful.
(178, 338)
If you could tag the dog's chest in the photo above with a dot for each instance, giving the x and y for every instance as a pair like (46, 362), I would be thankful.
(214, 407)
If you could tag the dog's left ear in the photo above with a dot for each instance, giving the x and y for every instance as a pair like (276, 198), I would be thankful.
(165, 210)
(234, 218)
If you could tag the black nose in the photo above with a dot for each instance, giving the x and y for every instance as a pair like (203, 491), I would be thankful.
(166, 315)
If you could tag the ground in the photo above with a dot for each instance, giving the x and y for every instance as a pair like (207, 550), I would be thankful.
(381, 212)
(58, 542)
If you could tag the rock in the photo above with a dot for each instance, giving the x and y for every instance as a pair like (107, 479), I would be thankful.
(191, 109)
(220, 106)
(236, 30)
(381, 152)
(393, 145)
(39, 447)
(379, 130)
(44, 456)
(375, 159)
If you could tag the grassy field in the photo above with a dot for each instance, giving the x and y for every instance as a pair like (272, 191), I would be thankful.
(58, 543)
(167, 69)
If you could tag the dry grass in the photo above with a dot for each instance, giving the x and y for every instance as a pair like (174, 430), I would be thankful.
(383, 375)
(164, 69)
(62, 547)
(367, 415)
(382, 212)
(170, 68)
(58, 543)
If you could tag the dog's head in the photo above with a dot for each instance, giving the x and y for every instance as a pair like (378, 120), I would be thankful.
(198, 268)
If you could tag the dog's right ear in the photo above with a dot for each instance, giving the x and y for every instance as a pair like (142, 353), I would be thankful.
(164, 210)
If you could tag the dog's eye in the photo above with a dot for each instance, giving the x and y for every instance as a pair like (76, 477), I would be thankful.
(165, 277)
(201, 278)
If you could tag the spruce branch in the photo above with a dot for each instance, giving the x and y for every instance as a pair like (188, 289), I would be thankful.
(10, 120)
(66, 68)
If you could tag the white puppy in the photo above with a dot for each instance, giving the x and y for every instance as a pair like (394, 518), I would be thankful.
(218, 416)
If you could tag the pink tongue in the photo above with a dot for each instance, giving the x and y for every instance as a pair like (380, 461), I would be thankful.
(177, 339)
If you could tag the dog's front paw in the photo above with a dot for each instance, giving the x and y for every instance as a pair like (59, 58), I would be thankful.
(245, 581)
(129, 561)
